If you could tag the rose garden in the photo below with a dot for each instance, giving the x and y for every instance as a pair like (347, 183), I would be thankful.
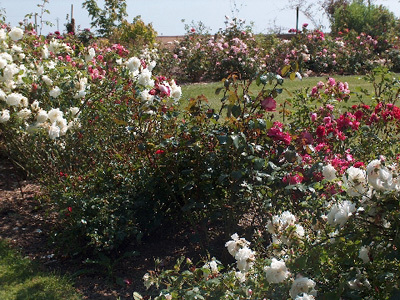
(287, 194)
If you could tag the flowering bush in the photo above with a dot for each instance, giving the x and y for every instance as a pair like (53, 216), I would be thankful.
(200, 56)
(71, 116)
(236, 49)
(109, 145)
(119, 158)
(330, 211)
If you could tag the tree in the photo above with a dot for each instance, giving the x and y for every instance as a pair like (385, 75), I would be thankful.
(108, 18)
(363, 17)
(136, 35)
(330, 6)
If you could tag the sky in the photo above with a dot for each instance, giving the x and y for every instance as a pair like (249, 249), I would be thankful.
(166, 15)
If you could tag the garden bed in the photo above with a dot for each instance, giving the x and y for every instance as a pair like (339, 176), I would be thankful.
(26, 226)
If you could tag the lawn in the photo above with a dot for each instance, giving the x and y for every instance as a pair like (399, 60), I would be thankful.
(208, 89)
(20, 278)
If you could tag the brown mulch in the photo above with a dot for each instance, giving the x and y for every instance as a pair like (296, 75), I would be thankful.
(27, 225)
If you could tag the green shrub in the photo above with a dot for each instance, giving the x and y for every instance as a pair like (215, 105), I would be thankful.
(370, 19)
(134, 36)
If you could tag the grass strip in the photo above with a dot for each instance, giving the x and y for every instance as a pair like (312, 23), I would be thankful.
(208, 89)
(21, 279)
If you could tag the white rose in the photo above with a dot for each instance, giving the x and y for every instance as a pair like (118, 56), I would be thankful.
(54, 114)
(9, 71)
(152, 65)
(379, 176)
(146, 97)
(277, 272)
(340, 213)
(24, 113)
(288, 218)
(176, 92)
(302, 285)
(16, 34)
(74, 111)
(16, 49)
(55, 92)
(133, 64)
(329, 172)
(3, 63)
(24, 102)
(91, 55)
(145, 78)
(245, 258)
(55, 46)
(54, 131)
(2, 95)
(305, 296)
(363, 254)
(3, 34)
(6, 56)
(41, 116)
(47, 80)
(355, 181)
(240, 276)
(14, 99)
(35, 105)
(4, 115)
(45, 52)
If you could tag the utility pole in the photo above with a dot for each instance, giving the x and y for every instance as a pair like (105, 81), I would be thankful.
(36, 22)
(72, 19)
(297, 19)
(58, 27)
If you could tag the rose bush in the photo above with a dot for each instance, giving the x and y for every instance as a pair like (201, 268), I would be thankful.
(118, 158)
(329, 208)
(70, 116)
(200, 56)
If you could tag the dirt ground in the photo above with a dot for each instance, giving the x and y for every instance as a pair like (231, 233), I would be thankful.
(27, 225)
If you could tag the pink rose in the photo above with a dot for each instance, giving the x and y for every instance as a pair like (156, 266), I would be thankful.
(268, 104)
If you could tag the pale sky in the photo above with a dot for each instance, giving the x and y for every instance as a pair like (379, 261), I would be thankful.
(166, 15)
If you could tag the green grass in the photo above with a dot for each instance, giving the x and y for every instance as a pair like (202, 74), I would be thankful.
(21, 279)
(208, 89)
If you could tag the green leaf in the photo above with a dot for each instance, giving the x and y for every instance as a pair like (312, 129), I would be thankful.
(237, 175)
(119, 281)
(222, 139)
(236, 111)
(273, 166)
(218, 90)
(235, 140)
(259, 163)
(187, 172)
(395, 295)
(269, 124)
(301, 262)
(130, 254)
(330, 296)
(187, 207)
(120, 122)
(285, 70)
(222, 178)
(258, 81)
